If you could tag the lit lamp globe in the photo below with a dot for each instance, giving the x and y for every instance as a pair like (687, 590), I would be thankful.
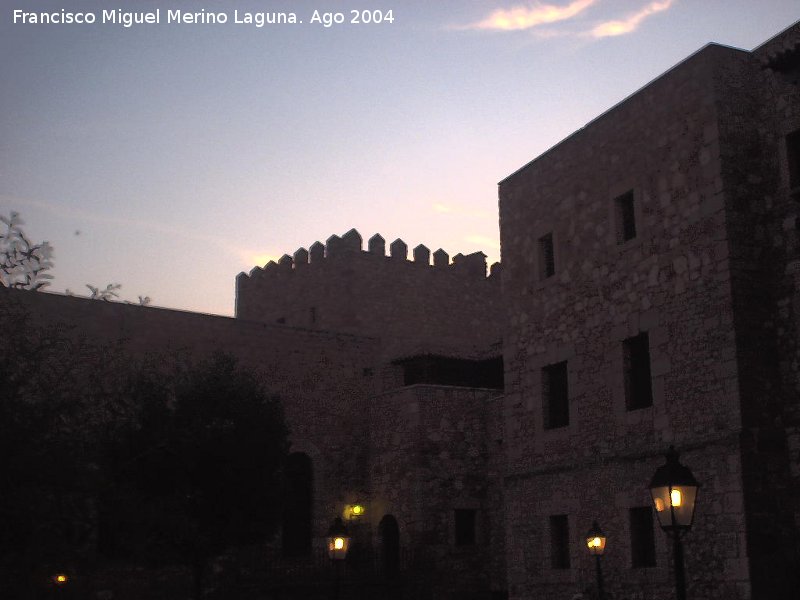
(338, 540)
(354, 512)
(596, 540)
(674, 490)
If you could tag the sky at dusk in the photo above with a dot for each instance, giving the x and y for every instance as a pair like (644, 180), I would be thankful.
(170, 157)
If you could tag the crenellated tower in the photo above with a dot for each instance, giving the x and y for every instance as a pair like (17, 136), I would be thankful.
(427, 304)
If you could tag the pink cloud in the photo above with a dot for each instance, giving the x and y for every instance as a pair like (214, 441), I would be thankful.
(629, 24)
(525, 17)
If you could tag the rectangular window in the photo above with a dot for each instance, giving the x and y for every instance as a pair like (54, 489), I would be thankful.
(643, 543)
(555, 395)
(793, 156)
(559, 541)
(626, 217)
(638, 387)
(547, 261)
(465, 527)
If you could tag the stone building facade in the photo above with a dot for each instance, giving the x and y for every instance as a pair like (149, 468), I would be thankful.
(650, 297)
(649, 278)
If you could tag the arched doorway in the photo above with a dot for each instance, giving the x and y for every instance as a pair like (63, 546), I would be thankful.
(390, 545)
(298, 505)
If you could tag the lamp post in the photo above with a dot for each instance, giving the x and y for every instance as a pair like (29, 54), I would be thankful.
(338, 544)
(596, 542)
(674, 491)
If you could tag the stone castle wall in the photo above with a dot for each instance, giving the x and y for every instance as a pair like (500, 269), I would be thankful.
(322, 378)
(433, 448)
(345, 401)
(759, 98)
(672, 281)
(428, 448)
(605, 490)
(413, 306)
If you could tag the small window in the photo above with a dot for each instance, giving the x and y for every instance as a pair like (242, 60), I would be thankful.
(547, 263)
(643, 543)
(559, 541)
(626, 217)
(793, 156)
(555, 395)
(465, 527)
(638, 387)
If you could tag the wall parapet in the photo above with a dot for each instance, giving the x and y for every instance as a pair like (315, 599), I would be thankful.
(338, 248)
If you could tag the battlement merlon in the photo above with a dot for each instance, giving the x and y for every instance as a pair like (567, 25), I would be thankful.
(340, 248)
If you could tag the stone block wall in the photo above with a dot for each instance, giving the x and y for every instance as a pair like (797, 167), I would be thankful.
(759, 104)
(605, 490)
(671, 281)
(410, 305)
(431, 455)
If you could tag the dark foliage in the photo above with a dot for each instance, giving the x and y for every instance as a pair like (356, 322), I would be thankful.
(157, 461)
(22, 263)
(55, 396)
(195, 472)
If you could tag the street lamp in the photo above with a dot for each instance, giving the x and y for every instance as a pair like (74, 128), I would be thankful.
(338, 543)
(674, 491)
(596, 543)
(338, 540)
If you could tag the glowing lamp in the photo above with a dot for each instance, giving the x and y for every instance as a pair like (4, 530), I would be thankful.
(338, 540)
(595, 540)
(60, 579)
(596, 543)
(353, 512)
(674, 490)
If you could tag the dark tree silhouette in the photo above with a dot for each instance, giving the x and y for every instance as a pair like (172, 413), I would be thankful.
(22, 263)
(57, 393)
(168, 462)
(196, 472)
